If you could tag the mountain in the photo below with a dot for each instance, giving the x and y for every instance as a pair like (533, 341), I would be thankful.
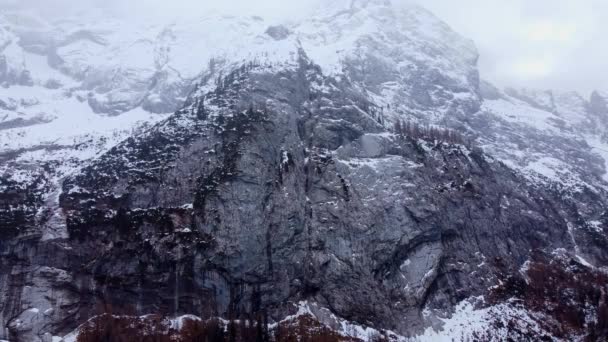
(348, 175)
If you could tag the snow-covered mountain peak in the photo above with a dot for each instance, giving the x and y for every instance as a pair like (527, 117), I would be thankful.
(124, 64)
(82, 68)
(376, 106)
(404, 45)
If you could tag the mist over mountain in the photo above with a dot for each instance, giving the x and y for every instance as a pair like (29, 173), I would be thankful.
(521, 42)
(327, 171)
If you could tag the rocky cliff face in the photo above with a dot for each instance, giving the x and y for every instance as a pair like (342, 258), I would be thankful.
(284, 180)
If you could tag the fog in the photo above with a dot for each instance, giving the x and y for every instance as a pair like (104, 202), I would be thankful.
(553, 44)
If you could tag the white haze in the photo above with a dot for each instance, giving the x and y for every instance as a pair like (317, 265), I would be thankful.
(552, 44)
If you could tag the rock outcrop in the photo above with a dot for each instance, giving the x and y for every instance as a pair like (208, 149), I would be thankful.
(284, 180)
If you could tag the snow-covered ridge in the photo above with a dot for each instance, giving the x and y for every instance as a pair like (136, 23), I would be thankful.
(552, 137)
(120, 64)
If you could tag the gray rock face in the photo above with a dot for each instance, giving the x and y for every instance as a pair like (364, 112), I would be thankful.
(598, 106)
(281, 182)
(13, 77)
(260, 194)
(278, 32)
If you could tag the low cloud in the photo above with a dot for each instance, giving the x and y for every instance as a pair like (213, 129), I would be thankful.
(552, 44)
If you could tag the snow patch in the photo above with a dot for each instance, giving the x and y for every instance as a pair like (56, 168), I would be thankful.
(467, 321)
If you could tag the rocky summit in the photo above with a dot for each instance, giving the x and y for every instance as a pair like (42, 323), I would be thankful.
(346, 177)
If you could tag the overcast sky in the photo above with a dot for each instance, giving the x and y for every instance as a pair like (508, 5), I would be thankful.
(558, 44)
(535, 43)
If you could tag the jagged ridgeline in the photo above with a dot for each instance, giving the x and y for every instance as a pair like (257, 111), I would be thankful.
(312, 182)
